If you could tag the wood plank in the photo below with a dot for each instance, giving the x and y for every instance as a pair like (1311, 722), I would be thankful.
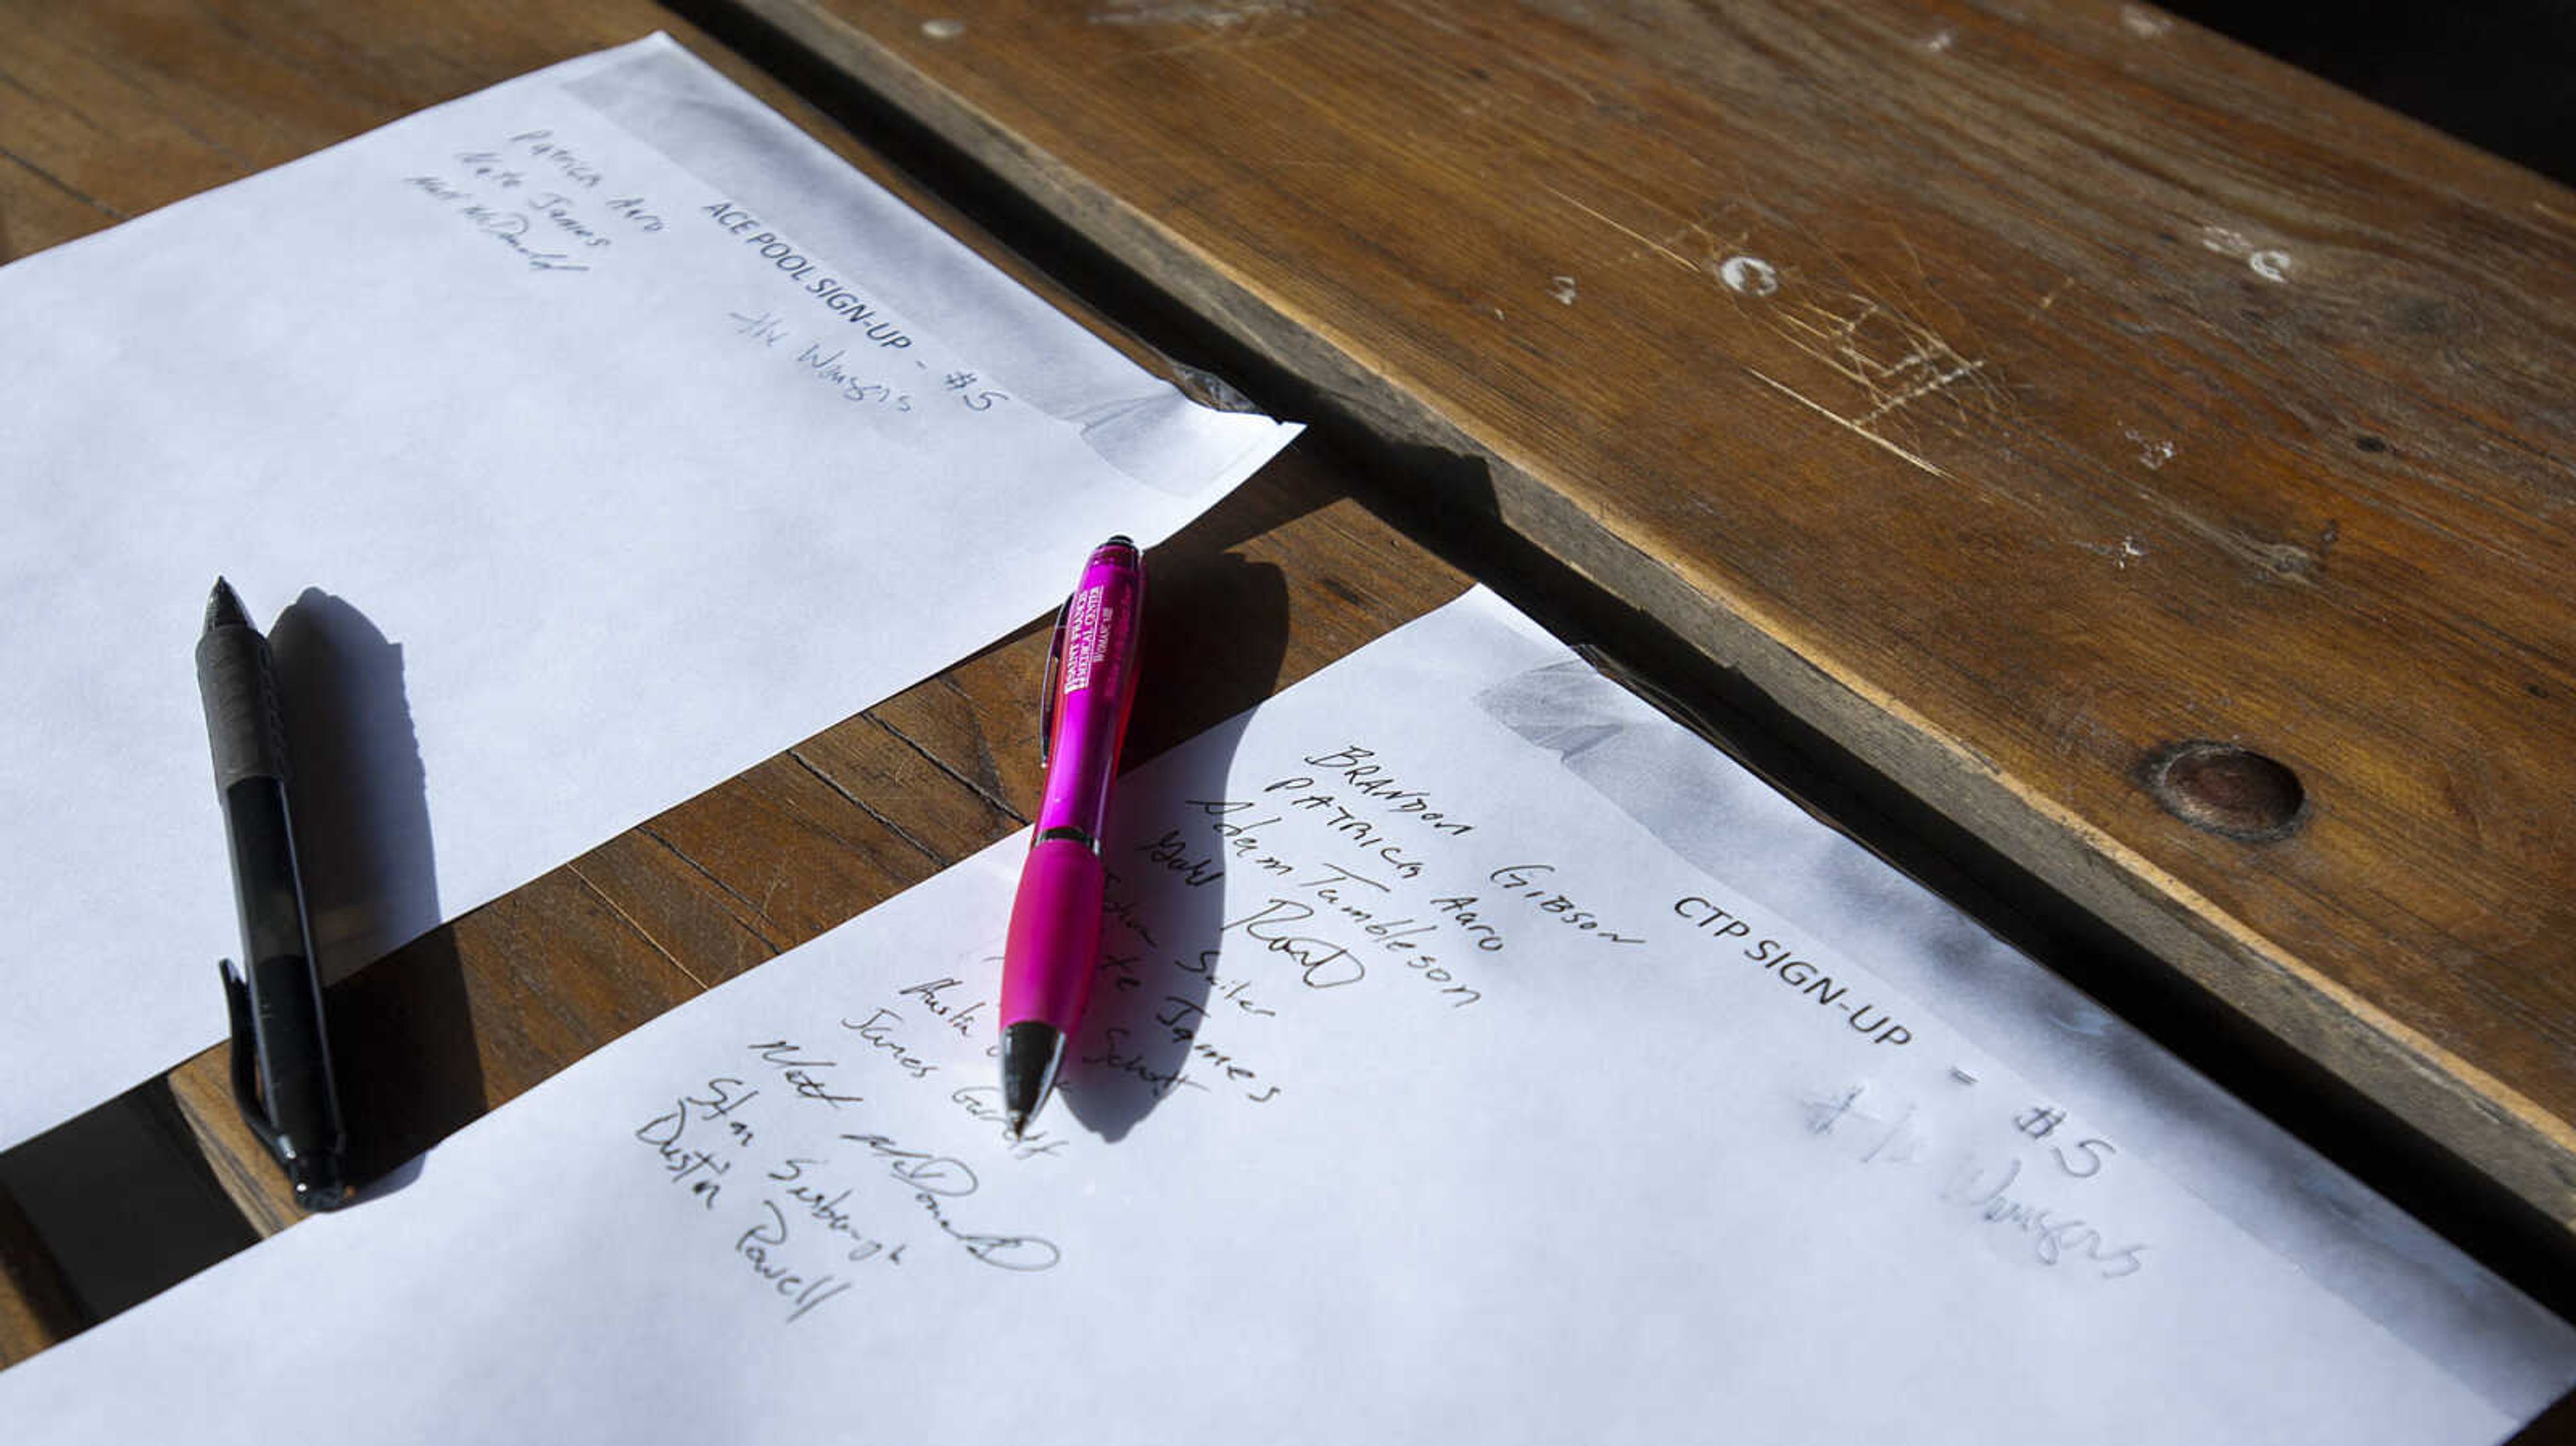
(37, 1308)
(2015, 395)
(115, 109)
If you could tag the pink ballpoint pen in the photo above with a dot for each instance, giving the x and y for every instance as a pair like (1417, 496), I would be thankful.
(1054, 944)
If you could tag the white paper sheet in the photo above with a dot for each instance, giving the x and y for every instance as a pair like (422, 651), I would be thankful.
(1428, 1096)
(583, 441)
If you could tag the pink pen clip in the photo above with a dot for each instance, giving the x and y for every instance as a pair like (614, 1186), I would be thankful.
(1053, 947)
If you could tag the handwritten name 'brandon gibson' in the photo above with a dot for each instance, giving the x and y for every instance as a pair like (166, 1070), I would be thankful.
(788, 257)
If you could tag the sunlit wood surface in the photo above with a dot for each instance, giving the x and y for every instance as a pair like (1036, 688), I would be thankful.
(2022, 394)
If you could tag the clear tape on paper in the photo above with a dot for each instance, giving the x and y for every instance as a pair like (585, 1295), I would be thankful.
(1745, 834)
(917, 275)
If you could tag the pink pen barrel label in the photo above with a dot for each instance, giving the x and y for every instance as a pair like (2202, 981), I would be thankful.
(1085, 640)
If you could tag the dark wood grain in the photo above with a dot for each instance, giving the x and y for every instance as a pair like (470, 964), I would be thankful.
(36, 1303)
(111, 110)
(2013, 393)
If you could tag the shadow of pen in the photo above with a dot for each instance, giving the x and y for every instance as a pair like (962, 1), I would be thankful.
(1216, 636)
(402, 1036)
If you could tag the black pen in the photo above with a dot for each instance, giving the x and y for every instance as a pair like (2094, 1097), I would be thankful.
(281, 1055)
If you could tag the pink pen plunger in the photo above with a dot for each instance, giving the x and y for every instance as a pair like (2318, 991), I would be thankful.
(1053, 947)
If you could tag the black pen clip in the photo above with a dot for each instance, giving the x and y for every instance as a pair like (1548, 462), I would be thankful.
(246, 1061)
(1047, 696)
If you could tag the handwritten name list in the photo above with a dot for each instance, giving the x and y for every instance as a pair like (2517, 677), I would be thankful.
(540, 199)
(1424, 1092)
(551, 419)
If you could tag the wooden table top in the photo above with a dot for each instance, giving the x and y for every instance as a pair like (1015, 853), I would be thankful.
(2157, 460)
(2010, 399)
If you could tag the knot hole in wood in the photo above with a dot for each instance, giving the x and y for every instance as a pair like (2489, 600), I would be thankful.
(2228, 789)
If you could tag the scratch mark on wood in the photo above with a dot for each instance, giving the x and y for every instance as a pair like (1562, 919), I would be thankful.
(643, 933)
(943, 28)
(1562, 288)
(861, 804)
(1648, 242)
(59, 184)
(2153, 452)
(991, 799)
(1710, 246)
(1928, 366)
(1179, 12)
(1937, 381)
(1849, 425)
(1228, 30)
(2129, 550)
(729, 891)
(53, 103)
